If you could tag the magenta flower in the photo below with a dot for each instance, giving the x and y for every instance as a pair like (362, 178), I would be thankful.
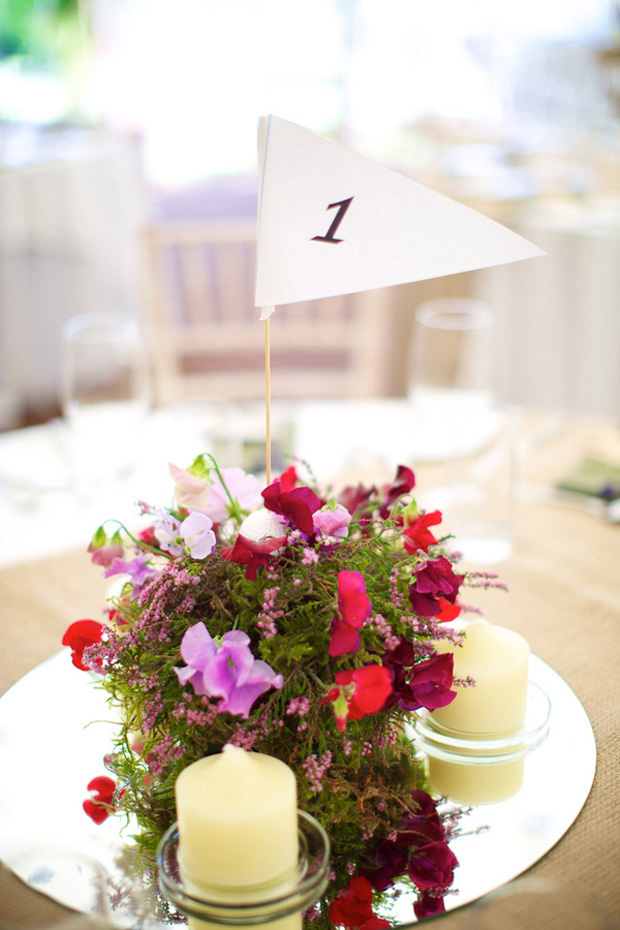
(429, 905)
(402, 484)
(430, 684)
(225, 669)
(434, 579)
(297, 505)
(432, 865)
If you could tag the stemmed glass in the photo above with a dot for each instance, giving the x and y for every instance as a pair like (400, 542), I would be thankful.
(105, 393)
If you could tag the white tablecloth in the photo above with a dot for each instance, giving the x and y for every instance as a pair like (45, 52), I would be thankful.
(70, 203)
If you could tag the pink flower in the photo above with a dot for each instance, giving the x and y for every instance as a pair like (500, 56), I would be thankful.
(332, 521)
(226, 669)
(205, 492)
(104, 550)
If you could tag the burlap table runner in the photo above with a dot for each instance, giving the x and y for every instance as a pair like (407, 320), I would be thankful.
(564, 579)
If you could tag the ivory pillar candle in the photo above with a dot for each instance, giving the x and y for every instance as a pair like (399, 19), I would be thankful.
(237, 816)
(497, 659)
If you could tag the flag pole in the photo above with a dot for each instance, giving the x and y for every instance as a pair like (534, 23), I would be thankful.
(268, 399)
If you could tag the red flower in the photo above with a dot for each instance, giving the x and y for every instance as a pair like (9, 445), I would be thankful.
(353, 907)
(360, 691)
(434, 579)
(354, 608)
(288, 479)
(100, 806)
(148, 536)
(253, 554)
(432, 865)
(448, 611)
(417, 535)
(79, 636)
(297, 505)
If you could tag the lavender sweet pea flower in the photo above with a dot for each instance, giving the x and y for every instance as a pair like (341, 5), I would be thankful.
(332, 522)
(139, 570)
(166, 529)
(197, 532)
(226, 669)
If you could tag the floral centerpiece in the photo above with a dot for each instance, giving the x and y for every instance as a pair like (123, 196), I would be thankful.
(296, 622)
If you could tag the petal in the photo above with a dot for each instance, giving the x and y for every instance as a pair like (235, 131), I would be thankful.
(197, 646)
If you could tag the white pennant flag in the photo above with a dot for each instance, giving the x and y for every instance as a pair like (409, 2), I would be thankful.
(331, 221)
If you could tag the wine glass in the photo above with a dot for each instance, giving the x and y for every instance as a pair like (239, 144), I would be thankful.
(105, 393)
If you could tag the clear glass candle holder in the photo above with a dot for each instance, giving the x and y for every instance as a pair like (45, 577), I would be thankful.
(245, 906)
(486, 769)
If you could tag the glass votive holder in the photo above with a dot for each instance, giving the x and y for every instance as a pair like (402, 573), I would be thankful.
(279, 904)
(472, 769)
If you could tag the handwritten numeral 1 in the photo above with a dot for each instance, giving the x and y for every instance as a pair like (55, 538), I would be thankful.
(330, 235)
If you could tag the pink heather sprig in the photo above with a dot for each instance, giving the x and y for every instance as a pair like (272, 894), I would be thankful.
(383, 627)
(310, 556)
(396, 596)
(485, 580)
(315, 769)
(298, 705)
(467, 682)
(269, 613)
(161, 755)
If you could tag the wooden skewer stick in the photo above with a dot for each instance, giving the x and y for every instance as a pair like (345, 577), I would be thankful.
(267, 401)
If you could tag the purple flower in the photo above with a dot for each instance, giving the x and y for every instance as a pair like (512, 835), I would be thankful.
(197, 532)
(138, 568)
(166, 529)
(226, 669)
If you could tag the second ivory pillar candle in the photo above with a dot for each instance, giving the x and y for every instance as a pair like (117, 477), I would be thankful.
(237, 815)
